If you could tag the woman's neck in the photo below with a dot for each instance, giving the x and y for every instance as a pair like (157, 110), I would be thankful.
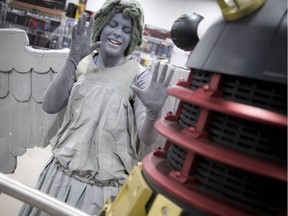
(104, 61)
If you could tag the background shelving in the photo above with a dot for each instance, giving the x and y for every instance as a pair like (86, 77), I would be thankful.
(42, 25)
(51, 29)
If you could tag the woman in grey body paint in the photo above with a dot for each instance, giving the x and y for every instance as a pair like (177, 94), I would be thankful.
(111, 103)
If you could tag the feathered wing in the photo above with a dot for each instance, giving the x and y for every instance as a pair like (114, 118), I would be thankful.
(25, 73)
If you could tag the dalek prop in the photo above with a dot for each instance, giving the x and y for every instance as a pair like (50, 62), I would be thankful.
(226, 145)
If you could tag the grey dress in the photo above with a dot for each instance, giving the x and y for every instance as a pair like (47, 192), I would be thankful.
(97, 144)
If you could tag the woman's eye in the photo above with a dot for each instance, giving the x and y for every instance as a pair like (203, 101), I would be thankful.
(112, 23)
(127, 30)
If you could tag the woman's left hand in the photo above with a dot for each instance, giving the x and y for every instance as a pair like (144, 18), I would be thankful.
(156, 94)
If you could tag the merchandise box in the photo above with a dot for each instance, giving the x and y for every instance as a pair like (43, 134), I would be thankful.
(52, 4)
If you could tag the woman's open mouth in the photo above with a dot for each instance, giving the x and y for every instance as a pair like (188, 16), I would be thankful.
(115, 42)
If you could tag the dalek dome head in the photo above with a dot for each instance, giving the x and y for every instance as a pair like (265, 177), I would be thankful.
(184, 31)
(252, 46)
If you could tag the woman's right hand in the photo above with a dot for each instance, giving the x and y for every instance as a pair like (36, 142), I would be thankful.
(81, 44)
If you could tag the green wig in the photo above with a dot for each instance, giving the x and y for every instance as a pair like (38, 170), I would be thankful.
(130, 8)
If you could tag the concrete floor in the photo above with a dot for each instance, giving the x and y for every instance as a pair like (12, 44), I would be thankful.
(29, 167)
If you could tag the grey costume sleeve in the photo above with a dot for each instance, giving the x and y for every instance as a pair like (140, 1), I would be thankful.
(57, 94)
(145, 126)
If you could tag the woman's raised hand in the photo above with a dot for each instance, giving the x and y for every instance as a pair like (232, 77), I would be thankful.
(156, 94)
(81, 40)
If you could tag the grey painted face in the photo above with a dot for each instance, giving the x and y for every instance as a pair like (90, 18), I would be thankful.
(116, 36)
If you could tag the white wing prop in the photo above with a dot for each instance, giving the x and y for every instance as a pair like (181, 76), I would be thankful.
(25, 73)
